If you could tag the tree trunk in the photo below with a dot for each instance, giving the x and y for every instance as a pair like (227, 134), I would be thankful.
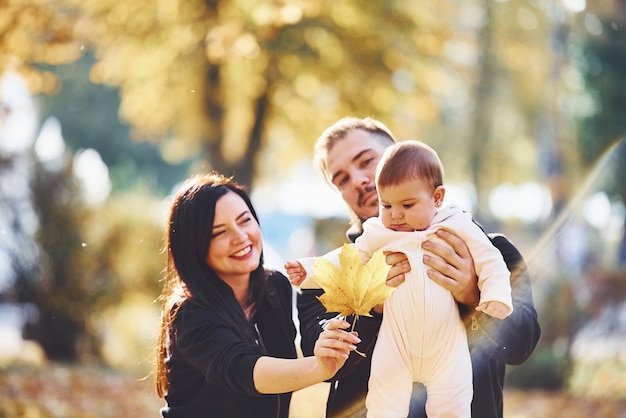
(481, 125)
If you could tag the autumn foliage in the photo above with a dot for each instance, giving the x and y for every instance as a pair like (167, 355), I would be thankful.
(354, 288)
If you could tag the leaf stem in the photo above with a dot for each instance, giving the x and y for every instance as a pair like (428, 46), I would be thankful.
(352, 330)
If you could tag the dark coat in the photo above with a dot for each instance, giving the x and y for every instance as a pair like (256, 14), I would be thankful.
(212, 365)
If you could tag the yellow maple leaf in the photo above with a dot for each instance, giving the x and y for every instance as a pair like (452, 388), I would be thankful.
(353, 288)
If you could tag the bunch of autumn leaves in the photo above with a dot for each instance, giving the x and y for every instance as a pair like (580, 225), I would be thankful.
(354, 288)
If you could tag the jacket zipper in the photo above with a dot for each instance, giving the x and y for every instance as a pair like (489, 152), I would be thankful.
(476, 327)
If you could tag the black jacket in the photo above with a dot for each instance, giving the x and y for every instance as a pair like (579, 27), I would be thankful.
(211, 365)
(493, 344)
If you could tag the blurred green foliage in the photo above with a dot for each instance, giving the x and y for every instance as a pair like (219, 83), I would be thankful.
(559, 316)
(96, 260)
(89, 115)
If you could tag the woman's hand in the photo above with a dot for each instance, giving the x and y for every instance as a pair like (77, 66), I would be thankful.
(333, 346)
(452, 267)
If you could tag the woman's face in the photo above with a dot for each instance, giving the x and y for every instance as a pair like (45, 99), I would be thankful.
(236, 244)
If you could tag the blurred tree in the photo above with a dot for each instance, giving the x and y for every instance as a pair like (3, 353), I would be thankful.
(516, 131)
(37, 32)
(480, 135)
(89, 115)
(226, 78)
(602, 62)
(593, 41)
(246, 84)
(124, 246)
(61, 294)
(93, 258)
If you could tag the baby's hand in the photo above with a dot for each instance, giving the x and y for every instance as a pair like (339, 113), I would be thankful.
(494, 308)
(296, 272)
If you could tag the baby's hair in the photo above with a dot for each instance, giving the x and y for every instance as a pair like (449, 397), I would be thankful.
(409, 160)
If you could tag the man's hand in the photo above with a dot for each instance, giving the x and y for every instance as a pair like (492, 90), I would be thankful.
(452, 267)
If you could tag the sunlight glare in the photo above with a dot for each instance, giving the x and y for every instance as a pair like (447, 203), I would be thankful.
(6, 269)
(464, 194)
(49, 145)
(615, 226)
(303, 194)
(301, 240)
(597, 210)
(19, 117)
(593, 24)
(530, 202)
(575, 5)
(93, 176)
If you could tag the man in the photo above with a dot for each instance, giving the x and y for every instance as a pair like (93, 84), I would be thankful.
(347, 154)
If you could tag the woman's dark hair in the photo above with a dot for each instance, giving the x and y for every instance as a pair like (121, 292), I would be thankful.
(188, 276)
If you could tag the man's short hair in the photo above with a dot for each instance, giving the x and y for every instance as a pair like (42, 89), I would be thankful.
(339, 130)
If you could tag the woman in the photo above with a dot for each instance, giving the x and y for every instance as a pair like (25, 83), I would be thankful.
(226, 345)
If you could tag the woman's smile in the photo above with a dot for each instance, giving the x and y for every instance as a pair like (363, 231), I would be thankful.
(243, 252)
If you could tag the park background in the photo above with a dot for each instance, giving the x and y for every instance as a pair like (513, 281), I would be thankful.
(106, 106)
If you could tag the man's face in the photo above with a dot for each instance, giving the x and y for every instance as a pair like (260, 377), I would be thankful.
(352, 168)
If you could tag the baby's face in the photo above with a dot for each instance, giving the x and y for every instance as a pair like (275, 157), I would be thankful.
(408, 206)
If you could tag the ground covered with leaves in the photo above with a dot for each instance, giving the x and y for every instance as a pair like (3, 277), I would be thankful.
(85, 392)
(75, 391)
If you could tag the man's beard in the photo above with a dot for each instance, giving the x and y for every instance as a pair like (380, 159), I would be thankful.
(367, 189)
